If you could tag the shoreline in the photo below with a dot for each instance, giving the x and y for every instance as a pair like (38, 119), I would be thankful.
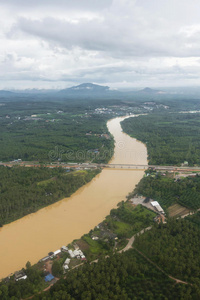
(95, 187)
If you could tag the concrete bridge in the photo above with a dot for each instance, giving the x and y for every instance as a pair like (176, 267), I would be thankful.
(154, 167)
(107, 166)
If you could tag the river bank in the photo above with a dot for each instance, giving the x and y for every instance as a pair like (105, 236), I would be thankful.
(70, 218)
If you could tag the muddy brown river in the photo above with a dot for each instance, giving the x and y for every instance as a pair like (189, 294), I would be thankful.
(32, 237)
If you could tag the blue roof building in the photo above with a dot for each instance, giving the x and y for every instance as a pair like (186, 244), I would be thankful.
(49, 277)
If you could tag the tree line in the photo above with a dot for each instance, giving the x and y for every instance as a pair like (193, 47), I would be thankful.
(171, 138)
(168, 191)
(25, 190)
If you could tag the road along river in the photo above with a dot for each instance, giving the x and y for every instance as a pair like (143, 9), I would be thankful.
(32, 237)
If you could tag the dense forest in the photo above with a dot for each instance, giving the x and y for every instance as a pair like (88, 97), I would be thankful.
(171, 139)
(195, 219)
(61, 131)
(122, 276)
(167, 191)
(72, 131)
(53, 128)
(125, 276)
(54, 131)
(175, 247)
(25, 190)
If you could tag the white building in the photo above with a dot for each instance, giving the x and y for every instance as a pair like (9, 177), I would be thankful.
(157, 207)
(67, 261)
(65, 267)
(71, 253)
(76, 253)
(57, 252)
(64, 249)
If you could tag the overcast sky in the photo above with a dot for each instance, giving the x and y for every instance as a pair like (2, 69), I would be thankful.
(120, 43)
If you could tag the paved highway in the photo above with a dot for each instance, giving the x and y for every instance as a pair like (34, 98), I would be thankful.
(93, 166)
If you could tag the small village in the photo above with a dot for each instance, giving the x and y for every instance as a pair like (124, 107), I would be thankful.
(75, 257)
(112, 235)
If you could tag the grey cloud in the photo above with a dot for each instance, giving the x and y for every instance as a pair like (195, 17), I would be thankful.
(67, 4)
(100, 40)
(119, 39)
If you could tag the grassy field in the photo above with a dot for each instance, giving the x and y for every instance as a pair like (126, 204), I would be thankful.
(115, 230)
(177, 210)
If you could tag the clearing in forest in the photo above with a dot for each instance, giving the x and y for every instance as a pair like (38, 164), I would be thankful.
(177, 210)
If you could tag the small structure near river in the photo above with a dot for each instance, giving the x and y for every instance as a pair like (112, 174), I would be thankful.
(158, 207)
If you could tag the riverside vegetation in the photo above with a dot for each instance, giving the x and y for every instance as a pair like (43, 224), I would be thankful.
(171, 138)
(25, 190)
(50, 132)
(168, 191)
(122, 223)
(127, 275)
(172, 246)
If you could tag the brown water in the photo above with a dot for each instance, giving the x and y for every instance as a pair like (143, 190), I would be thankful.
(33, 236)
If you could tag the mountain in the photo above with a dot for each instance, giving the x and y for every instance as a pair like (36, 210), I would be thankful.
(90, 91)
(86, 88)
(148, 90)
(6, 93)
(35, 91)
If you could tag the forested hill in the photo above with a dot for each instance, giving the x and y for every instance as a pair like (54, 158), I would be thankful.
(171, 138)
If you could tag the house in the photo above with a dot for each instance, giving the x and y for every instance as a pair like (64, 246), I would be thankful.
(76, 253)
(20, 275)
(64, 249)
(66, 264)
(44, 259)
(67, 261)
(57, 252)
(71, 253)
(49, 277)
(65, 267)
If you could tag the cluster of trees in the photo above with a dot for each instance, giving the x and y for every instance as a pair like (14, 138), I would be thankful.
(133, 215)
(195, 219)
(122, 276)
(175, 247)
(25, 190)
(23, 288)
(57, 132)
(122, 223)
(167, 191)
(171, 138)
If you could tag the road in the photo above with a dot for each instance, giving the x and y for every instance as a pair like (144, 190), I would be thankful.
(94, 166)
(128, 246)
(132, 239)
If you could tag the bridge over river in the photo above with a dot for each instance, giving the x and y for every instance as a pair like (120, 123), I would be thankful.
(154, 167)
(107, 166)
(146, 167)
